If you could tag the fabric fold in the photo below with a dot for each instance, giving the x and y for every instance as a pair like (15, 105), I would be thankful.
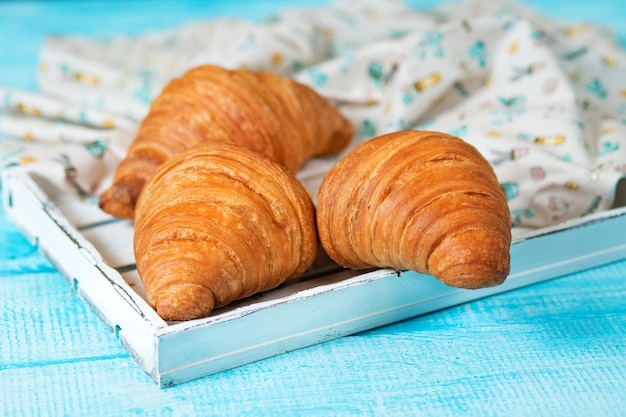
(544, 102)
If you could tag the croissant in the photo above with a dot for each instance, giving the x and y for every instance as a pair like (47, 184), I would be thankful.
(220, 222)
(422, 201)
(266, 112)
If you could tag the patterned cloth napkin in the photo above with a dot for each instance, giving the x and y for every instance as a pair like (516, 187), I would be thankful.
(544, 102)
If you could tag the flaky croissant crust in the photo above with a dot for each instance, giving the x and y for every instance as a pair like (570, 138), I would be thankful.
(422, 201)
(266, 112)
(217, 223)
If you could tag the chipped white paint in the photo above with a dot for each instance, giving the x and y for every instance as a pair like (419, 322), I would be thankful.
(318, 309)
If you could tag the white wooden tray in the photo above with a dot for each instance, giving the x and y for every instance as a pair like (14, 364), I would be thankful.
(326, 303)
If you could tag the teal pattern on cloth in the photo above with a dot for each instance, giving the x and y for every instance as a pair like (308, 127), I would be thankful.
(544, 102)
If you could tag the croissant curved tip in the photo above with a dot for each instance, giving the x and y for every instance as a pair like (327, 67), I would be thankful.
(118, 201)
(472, 259)
(184, 301)
(472, 276)
(342, 136)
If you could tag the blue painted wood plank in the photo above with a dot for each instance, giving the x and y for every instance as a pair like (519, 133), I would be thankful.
(44, 322)
(24, 24)
(555, 348)
(16, 253)
(531, 352)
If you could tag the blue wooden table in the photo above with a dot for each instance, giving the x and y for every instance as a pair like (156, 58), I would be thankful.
(553, 349)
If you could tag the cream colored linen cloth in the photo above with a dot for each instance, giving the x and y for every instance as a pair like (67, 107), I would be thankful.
(543, 101)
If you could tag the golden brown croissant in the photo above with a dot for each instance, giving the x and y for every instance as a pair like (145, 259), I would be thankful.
(220, 222)
(423, 201)
(266, 112)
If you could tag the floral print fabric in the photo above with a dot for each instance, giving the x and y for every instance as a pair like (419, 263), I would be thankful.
(544, 102)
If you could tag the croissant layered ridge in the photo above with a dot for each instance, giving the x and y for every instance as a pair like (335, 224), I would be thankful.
(415, 200)
(217, 223)
(266, 112)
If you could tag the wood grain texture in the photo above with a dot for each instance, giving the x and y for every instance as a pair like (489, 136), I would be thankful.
(556, 348)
